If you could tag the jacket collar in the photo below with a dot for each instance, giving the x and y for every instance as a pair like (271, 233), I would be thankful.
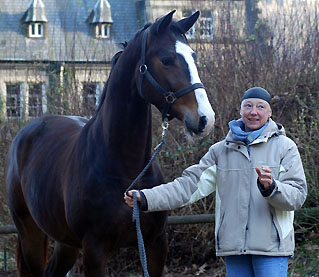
(273, 129)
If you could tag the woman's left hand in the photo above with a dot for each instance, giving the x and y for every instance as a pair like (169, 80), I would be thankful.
(264, 176)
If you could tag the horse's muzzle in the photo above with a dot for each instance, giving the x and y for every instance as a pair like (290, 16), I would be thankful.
(201, 127)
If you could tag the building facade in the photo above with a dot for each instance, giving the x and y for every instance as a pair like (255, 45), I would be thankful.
(53, 51)
(55, 55)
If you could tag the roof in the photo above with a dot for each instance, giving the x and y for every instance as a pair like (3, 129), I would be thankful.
(101, 13)
(35, 12)
(68, 35)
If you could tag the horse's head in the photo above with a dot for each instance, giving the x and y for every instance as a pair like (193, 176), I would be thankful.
(168, 76)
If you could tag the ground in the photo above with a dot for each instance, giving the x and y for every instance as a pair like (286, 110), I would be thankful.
(304, 264)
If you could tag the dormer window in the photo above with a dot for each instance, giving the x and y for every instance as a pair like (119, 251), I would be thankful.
(101, 19)
(35, 30)
(35, 19)
(102, 30)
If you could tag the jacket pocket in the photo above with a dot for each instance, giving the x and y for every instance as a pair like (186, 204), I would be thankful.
(275, 235)
(217, 229)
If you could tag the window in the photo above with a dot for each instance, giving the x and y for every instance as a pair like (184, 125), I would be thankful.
(191, 32)
(25, 102)
(89, 98)
(206, 24)
(13, 103)
(35, 100)
(36, 30)
(102, 30)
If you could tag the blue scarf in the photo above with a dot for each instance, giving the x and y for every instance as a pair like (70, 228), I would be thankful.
(238, 131)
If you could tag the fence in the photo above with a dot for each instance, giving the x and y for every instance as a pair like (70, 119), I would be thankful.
(307, 217)
(172, 220)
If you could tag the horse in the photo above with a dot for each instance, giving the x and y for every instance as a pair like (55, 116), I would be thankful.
(66, 175)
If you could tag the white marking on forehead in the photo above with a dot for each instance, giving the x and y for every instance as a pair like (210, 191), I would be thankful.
(184, 50)
(204, 107)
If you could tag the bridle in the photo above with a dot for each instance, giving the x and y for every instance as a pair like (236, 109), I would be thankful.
(169, 95)
(170, 99)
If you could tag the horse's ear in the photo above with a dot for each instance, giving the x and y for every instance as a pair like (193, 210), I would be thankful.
(161, 24)
(186, 23)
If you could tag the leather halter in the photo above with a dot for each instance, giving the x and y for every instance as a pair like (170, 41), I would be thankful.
(169, 96)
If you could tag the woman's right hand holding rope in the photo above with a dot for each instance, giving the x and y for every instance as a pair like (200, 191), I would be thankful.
(128, 197)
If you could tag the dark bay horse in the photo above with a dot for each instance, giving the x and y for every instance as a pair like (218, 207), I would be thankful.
(66, 175)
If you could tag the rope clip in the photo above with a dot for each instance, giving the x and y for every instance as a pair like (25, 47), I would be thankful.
(165, 124)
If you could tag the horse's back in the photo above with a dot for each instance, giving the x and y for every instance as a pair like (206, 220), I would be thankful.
(39, 138)
(35, 157)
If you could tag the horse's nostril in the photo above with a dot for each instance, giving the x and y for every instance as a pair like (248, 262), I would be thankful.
(202, 123)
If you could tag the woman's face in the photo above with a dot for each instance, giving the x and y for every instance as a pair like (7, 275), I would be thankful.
(255, 113)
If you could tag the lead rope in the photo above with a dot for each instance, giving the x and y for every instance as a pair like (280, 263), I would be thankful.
(140, 241)
(136, 209)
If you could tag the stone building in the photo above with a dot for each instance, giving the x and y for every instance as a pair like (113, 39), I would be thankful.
(55, 55)
(54, 50)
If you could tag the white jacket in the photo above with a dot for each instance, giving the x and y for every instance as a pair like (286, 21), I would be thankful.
(245, 221)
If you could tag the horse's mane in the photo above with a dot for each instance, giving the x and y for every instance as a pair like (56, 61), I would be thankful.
(114, 61)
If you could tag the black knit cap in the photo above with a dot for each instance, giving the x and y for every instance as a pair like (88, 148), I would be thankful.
(257, 92)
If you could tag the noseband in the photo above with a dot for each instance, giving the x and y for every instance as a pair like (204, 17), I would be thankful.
(169, 95)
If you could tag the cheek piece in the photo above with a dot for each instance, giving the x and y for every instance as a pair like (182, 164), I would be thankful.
(169, 96)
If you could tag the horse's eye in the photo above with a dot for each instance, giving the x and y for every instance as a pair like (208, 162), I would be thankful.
(167, 61)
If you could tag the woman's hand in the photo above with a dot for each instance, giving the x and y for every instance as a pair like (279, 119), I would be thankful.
(128, 197)
(264, 176)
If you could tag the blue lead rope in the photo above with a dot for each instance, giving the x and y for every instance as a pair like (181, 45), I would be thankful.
(140, 241)
(136, 210)
(157, 150)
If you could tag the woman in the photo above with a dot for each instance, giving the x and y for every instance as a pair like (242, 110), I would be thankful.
(259, 181)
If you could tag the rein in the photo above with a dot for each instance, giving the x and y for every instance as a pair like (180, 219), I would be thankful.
(170, 97)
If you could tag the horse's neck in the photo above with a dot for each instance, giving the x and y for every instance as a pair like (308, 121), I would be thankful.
(122, 127)
(125, 121)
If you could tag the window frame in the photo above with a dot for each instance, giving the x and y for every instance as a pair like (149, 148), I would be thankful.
(33, 30)
(103, 30)
(18, 105)
(39, 106)
(207, 32)
(87, 103)
(200, 28)
(191, 33)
